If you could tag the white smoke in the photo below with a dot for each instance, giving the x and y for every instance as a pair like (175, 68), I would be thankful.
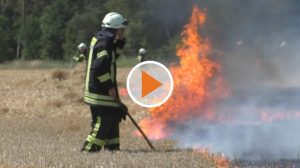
(263, 72)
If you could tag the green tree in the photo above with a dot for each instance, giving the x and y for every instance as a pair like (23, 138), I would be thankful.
(4, 40)
(80, 29)
(12, 12)
(30, 34)
(53, 29)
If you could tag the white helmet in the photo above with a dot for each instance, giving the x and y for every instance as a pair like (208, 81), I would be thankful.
(142, 51)
(114, 20)
(81, 46)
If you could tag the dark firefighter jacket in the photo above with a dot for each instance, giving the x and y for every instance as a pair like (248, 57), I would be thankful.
(101, 69)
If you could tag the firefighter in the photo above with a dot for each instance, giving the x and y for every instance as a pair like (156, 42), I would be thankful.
(101, 92)
(142, 54)
(81, 53)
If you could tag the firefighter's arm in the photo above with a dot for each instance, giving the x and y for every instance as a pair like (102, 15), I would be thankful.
(102, 66)
(75, 57)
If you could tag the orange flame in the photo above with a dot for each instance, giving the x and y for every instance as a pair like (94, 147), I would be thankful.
(197, 83)
(219, 160)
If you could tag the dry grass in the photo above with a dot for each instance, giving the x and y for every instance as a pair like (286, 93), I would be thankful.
(43, 122)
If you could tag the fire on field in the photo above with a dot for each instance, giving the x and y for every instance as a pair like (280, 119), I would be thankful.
(208, 112)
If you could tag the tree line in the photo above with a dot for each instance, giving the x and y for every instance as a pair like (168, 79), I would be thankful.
(52, 29)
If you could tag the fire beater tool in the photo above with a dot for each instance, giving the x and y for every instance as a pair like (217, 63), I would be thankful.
(125, 109)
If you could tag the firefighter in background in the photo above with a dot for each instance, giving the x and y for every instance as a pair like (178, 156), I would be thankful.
(142, 54)
(81, 53)
(101, 92)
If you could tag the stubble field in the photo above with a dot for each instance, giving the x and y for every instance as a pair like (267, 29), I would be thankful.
(43, 122)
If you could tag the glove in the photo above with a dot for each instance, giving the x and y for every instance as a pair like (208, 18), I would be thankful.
(120, 43)
(123, 111)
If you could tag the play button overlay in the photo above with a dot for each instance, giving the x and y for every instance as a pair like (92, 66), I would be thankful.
(150, 84)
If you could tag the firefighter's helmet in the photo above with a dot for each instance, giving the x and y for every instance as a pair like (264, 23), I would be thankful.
(114, 20)
(81, 46)
(142, 51)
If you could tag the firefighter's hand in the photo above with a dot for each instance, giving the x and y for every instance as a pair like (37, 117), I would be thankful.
(120, 34)
(112, 92)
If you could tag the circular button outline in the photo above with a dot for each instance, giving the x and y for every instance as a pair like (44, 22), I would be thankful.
(170, 90)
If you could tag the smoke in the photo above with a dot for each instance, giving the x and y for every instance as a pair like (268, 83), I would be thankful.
(249, 127)
(245, 141)
(259, 46)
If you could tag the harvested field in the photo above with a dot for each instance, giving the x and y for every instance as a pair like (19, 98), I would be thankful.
(43, 122)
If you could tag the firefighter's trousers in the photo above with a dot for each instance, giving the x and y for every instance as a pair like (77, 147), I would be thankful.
(105, 130)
